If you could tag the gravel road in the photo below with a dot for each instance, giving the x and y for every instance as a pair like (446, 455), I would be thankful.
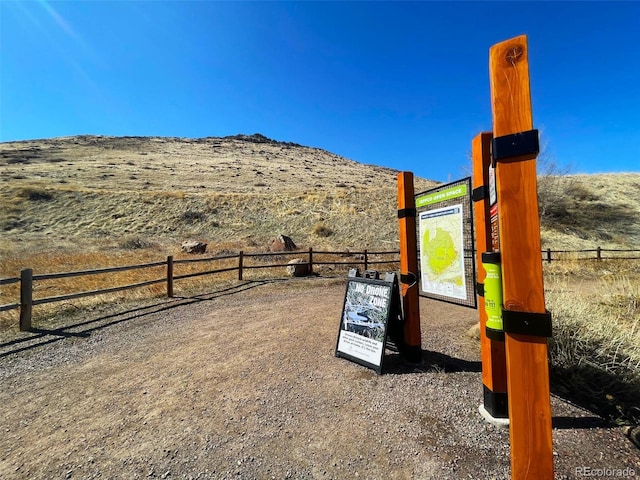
(243, 383)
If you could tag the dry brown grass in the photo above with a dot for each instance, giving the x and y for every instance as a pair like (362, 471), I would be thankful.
(595, 348)
(586, 211)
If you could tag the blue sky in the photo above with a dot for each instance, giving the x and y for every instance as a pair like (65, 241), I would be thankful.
(403, 85)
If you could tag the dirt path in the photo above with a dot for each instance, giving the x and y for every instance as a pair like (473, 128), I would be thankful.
(245, 384)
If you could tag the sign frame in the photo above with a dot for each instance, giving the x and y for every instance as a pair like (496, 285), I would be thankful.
(440, 198)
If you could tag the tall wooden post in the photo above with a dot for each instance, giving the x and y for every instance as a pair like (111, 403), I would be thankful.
(526, 325)
(26, 299)
(170, 276)
(409, 268)
(494, 364)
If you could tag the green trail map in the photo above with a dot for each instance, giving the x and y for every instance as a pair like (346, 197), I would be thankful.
(442, 252)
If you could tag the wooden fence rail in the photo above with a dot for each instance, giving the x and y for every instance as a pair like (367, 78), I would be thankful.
(27, 278)
(363, 258)
(600, 254)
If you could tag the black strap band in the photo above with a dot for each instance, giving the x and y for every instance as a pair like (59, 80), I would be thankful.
(480, 289)
(407, 212)
(490, 257)
(408, 278)
(527, 323)
(497, 335)
(508, 147)
(480, 193)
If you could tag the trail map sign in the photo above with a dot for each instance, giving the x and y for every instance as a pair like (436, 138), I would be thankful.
(445, 239)
(368, 306)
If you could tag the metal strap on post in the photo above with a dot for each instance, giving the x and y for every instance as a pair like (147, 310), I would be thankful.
(409, 278)
(407, 212)
(527, 323)
(513, 147)
(480, 193)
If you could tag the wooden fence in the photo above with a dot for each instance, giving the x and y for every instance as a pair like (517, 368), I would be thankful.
(597, 254)
(27, 278)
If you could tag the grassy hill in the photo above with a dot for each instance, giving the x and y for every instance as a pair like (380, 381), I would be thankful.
(107, 192)
(115, 193)
(585, 211)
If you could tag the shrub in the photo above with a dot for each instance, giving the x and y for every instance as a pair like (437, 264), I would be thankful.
(36, 195)
(321, 230)
(595, 349)
(136, 243)
(191, 216)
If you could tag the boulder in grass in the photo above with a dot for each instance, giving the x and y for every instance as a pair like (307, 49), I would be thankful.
(298, 267)
(194, 247)
(282, 244)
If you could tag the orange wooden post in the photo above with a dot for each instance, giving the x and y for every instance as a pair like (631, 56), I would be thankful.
(409, 267)
(494, 364)
(523, 290)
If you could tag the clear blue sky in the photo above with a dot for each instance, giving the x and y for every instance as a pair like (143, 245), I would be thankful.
(403, 85)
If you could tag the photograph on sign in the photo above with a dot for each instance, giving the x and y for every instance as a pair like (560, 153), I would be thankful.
(442, 252)
(363, 326)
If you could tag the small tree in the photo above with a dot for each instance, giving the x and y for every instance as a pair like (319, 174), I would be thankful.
(554, 184)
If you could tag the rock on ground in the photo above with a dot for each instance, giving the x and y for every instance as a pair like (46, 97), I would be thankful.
(193, 246)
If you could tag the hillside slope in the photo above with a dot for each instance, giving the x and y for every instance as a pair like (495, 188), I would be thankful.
(586, 211)
(116, 192)
(106, 191)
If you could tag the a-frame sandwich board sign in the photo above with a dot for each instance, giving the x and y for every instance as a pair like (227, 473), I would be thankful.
(370, 312)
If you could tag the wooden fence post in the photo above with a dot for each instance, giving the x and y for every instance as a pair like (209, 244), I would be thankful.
(170, 276)
(523, 292)
(494, 363)
(548, 255)
(366, 259)
(310, 261)
(599, 254)
(240, 255)
(409, 267)
(26, 299)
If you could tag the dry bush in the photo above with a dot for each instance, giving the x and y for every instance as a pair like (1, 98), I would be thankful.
(586, 211)
(135, 243)
(321, 230)
(36, 194)
(595, 348)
